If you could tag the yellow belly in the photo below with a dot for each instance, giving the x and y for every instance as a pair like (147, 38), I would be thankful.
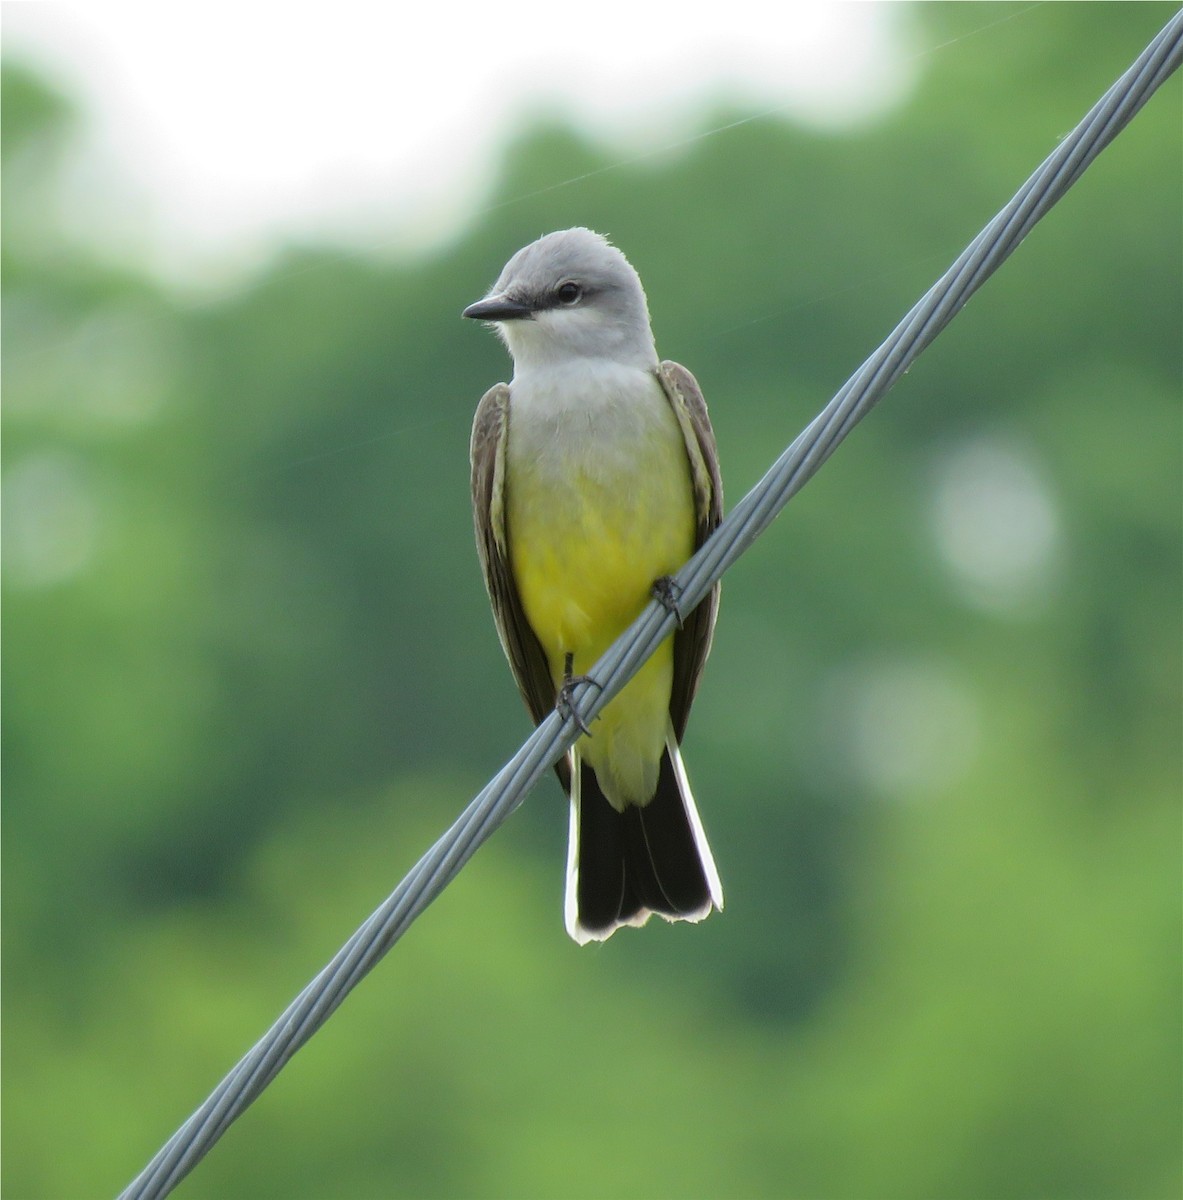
(586, 547)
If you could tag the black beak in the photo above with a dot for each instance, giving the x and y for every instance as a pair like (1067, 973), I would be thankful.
(497, 308)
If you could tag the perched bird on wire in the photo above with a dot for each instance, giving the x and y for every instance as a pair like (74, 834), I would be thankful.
(594, 478)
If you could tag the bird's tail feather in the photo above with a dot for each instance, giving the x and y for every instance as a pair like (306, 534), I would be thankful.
(624, 866)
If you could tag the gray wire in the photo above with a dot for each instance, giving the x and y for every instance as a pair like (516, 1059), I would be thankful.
(316, 1003)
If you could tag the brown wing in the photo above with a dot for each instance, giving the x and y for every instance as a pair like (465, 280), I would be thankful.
(490, 431)
(692, 643)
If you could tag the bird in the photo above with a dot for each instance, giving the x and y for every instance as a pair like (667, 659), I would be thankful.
(595, 476)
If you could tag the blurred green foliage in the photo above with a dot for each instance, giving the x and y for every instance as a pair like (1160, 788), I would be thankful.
(250, 675)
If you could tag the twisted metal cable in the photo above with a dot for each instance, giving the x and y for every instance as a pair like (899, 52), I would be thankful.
(754, 513)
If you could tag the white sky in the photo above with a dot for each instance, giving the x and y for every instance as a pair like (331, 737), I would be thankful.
(215, 130)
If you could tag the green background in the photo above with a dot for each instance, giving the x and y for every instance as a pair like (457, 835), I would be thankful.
(250, 675)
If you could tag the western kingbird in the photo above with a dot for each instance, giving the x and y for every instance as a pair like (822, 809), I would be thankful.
(594, 477)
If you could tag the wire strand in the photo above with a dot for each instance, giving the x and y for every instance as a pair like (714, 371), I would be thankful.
(754, 513)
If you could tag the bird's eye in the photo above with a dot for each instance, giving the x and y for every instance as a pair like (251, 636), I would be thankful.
(569, 293)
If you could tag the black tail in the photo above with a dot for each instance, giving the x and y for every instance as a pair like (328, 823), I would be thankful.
(650, 859)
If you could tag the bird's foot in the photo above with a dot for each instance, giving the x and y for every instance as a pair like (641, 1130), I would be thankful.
(565, 701)
(668, 594)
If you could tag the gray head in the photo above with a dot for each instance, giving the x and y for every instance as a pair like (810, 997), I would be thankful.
(569, 295)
